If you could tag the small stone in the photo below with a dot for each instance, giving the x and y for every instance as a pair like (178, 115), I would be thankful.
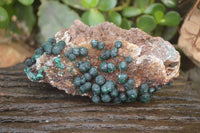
(77, 81)
(123, 66)
(101, 45)
(100, 80)
(144, 88)
(129, 59)
(114, 52)
(68, 53)
(94, 43)
(72, 57)
(78, 64)
(83, 51)
(114, 93)
(93, 71)
(129, 84)
(39, 51)
(122, 96)
(118, 44)
(106, 98)
(96, 89)
(111, 67)
(76, 51)
(104, 67)
(85, 87)
(96, 99)
(132, 93)
(145, 98)
(122, 78)
(105, 55)
(28, 62)
(88, 77)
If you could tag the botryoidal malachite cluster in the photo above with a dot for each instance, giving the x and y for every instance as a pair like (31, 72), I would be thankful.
(91, 80)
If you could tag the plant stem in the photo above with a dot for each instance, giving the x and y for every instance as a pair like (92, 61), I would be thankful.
(119, 8)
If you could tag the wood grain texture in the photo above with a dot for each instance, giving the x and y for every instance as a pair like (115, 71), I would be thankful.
(32, 107)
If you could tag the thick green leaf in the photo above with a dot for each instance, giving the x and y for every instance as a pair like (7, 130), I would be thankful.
(89, 3)
(170, 3)
(26, 17)
(115, 17)
(75, 3)
(172, 18)
(142, 4)
(155, 8)
(106, 5)
(158, 16)
(146, 22)
(2, 2)
(4, 20)
(170, 32)
(51, 21)
(26, 2)
(92, 17)
(125, 24)
(131, 12)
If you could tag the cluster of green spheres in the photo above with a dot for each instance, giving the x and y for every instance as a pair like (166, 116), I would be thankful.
(73, 53)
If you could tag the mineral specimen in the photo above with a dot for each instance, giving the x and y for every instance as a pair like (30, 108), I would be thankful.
(106, 63)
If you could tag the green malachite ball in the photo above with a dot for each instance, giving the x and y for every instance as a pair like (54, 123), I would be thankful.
(47, 46)
(28, 62)
(76, 51)
(94, 43)
(117, 100)
(123, 66)
(106, 98)
(77, 81)
(105, 55)
(101, 45)
(118, 44)
(144, 88)
(61, 44)
(83, 80)
(129, 84)
(96, 99)
(132, 93)
(129, 59)
(39, 51)
(104, 67)
(100, 80)
(83, 51)
(114, 93)
(108, 87)
(145, 98)
(88, 77)
(72, 57)
(68, 53)
(114, 52)
(96, 89)
(111, 67)
(51, 40)
(56, 49)
(122, 96)
(152, 90)
(93, 71)
(85, 67)
(78, 64)
(85, 87)
(122, 78)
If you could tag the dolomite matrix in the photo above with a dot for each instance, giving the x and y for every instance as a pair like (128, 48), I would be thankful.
(105, 63)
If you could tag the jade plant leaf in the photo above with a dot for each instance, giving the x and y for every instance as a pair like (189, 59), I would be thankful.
(170, 3)
(131, 12)
(125, 24)
(92, 17)
(142, 4)
(3, 18)
(26, 2)
(158, 16)
(154, 8)
(89, 3)
(51, 21)
(146, 22)
(115, 17)
(172, 18)
(105, 5)
(74, 3)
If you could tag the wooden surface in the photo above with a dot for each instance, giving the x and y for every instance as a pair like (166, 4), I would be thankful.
(32, 107)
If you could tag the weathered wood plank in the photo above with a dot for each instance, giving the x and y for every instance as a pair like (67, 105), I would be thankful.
(32, 107)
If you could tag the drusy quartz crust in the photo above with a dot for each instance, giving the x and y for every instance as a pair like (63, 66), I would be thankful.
(106, 63)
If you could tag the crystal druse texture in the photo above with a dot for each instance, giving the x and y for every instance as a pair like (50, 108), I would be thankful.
(105, 63)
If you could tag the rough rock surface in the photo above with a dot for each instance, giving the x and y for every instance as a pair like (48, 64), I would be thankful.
(189, 40)
(155, 61)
